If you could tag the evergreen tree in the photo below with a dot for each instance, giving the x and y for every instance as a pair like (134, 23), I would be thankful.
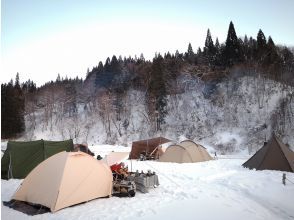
(177, 54)
(217, 58)
(157, 94)
(107, 65)
(252, 49)
(261, 40)
(209, 49)
(167, 55)
(288, 62)
(120, 60)
(114, 65)
(271, 57)
(261, 45)
(142, 58)
(88, 72)
(100, 69)
(270, 42)
(17, 80)
(12, 109)
(209, 46)
(246, 48)
(217, 45)
(190, 56)
(190, 50)
(58, 78)
(232, 53)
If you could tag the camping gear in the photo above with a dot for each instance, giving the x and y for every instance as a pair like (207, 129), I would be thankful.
(144, 181)
(20, 157)
(147, 148)
(185, 152)
(122, 186)
(115, 167)
(66, 179)
(274, 155)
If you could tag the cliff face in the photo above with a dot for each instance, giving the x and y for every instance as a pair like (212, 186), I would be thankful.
(231, 113)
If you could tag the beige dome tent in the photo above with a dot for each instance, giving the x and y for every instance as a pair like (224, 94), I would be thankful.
(115, 157)
(66, 179)
(185, 152)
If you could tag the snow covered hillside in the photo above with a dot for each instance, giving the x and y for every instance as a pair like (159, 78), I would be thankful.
(218, 189)
(234, 115)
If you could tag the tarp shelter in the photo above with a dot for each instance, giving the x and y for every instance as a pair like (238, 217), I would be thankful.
(115, 157)
(146, 146)
(66, 179)
(185, 152)
(274, 155)
(20, 158)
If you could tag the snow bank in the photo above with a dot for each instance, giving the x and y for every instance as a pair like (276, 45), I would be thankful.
(218, 189)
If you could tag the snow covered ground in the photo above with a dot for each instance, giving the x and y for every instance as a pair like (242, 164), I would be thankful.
(219, 189)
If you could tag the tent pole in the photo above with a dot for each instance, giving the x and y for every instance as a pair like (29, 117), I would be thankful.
(9, 169)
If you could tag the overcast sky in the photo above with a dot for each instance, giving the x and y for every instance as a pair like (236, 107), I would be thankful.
(41, 38)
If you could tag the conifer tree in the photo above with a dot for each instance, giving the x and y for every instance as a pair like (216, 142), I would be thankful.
(177, 54)
(114, 65)
(261, 45)
(142, 58)
(100, 69)
(232, 53)
(12, 109)
(217, 57)
(190, 50)
(157, 94)
(217, 45)
(107, 65)
(58, 78)
(261, 40)
(209, 49)
(271, 57)
(190, 56)
(209, 46)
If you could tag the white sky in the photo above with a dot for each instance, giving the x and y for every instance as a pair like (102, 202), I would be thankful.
(40, 39)
(72, 51)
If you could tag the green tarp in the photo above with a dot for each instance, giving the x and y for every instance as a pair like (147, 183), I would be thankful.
(20, 158)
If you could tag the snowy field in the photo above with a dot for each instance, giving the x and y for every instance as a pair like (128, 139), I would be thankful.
(219, 189)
